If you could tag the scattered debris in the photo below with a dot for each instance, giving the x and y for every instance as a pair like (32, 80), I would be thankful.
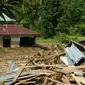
(73, 54)
(79, 46)
(12, 66)
(82, 42)
(47, 68)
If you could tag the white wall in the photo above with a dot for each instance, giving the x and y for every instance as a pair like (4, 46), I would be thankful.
(15, 41)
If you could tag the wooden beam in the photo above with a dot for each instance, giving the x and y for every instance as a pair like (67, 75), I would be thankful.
(23, 81)
(72, 69)
(18, 74)
(45, 82)
(76, 79)
(66, 79)
(56, 81)
(34, 66)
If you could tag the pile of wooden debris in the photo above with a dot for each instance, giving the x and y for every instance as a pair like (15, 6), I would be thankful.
(42, 70)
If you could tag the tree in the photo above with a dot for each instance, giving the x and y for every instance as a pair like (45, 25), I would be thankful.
(73, 13)
(29, 15)
(50, 14)
(8, 6)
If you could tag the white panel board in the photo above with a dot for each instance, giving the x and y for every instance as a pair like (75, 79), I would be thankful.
(15, 39)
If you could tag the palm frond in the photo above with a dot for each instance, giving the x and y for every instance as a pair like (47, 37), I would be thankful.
(8, 6)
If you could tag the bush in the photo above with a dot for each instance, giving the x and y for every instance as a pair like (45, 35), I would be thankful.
(62, 37)
(80, 28)
(63, 28)
(72, 31)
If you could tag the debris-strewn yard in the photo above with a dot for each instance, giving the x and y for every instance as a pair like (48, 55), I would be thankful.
(43, 65)
(23, 54)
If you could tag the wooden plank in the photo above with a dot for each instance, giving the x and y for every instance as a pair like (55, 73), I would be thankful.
(7, 73)
(51, 83)
(34, 66)
(23, 81)
(81, 79)
(18, 74)
(56, 81)
(45, 82)
(72, 69)
(30, 82)
(23, 77)
(66, 79)
(76, 79)
(41, 71)
(62, 54)
(33, 73)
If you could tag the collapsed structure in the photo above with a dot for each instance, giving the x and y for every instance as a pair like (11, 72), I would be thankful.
(13, 35)
(73, 54)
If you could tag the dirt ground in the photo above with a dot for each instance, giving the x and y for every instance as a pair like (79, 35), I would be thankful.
(21, 55)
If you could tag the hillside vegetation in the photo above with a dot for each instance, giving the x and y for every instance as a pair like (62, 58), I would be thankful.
(51, 18)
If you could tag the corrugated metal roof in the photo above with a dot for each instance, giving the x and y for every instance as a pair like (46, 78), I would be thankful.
(74, 55)
(6, 18)
(12, 29)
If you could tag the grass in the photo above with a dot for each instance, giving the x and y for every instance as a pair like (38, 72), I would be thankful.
(1, 83)
(49, 40)
(60, 39)
(82, 38)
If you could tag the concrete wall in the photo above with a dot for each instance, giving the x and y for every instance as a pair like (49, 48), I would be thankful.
(1, 42)
(15, 41)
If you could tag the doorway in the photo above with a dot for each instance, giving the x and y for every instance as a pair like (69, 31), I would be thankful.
(6, 41)
(32, 41)
(24, 41)
(27, 41)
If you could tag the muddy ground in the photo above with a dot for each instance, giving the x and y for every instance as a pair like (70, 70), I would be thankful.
(42, 54)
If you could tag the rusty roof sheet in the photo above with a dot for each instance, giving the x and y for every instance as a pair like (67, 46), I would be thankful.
(12, 29)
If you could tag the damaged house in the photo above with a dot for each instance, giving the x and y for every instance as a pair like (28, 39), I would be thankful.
(13, 35)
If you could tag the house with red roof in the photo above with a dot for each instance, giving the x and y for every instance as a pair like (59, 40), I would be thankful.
(12, 35)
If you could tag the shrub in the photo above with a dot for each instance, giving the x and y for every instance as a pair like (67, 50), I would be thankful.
(80, 28)
(62, 37)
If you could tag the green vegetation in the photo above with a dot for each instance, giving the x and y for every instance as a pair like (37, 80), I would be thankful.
(9, 6)
(1, 83)
(54, 19)
(60, 38)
